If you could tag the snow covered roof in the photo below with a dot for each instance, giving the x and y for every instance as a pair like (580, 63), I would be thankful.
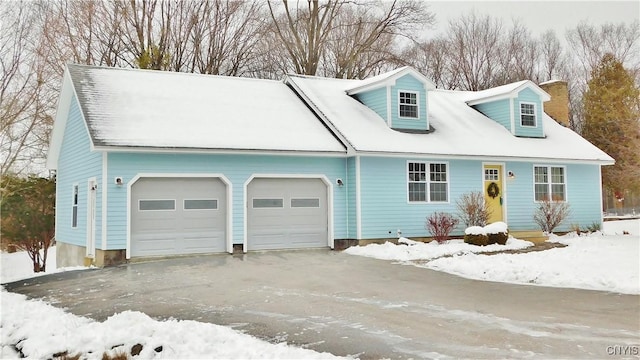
(503, 92)
(154, 109)
(387, 78)
(142, 109)
(460, 130)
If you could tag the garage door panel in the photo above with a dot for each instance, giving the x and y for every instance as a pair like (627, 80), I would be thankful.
(300, 219)
(196, 224)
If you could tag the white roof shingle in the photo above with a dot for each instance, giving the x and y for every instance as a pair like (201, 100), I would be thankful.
(459, 130)
(153, 109)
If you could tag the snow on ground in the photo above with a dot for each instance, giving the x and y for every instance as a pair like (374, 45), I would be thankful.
(17, 266)
(43, 330)
(606, 261)
(431, 250)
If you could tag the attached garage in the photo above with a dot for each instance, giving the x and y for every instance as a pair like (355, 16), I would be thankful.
(176, 216)
(287, 213)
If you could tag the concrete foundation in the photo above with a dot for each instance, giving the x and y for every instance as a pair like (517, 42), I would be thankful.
(74, 255)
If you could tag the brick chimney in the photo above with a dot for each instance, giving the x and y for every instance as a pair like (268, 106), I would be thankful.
(558, 106)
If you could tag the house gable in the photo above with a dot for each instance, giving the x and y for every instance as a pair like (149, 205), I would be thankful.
(398, 97)
(517, 106)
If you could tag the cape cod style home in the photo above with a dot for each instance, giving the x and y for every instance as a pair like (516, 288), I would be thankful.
(161, 163)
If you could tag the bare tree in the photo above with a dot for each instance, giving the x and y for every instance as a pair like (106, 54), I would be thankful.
(519, 56)
(346, 39)
(553, 61)
(474, 50)
(25, 105)
(432, 59)
(225, 37)
(365, 37)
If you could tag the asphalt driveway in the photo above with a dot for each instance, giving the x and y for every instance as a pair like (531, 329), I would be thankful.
(349, 305)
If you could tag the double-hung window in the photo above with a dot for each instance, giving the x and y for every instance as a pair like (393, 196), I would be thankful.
(527, 114)
(549, 183)
(427, 182)
(408, 104)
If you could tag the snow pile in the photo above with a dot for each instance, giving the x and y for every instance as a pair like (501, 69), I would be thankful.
(42, 330)
(17, 266)
(606, 261)
(426, 251)
(595, 262)
(493, 228)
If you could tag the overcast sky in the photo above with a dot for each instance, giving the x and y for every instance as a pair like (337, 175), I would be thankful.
(540, 16)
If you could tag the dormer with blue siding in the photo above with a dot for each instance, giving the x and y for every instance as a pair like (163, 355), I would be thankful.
(399, 97)
(517, 106)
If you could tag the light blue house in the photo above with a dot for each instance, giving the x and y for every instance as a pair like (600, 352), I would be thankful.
(159, 164)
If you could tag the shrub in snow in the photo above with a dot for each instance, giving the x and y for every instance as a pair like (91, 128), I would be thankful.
(440, 225)
(472, 209)
(550, 214)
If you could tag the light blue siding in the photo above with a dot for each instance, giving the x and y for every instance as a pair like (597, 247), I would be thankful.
(351, 198)
(385, 206)
(409, 83)
(583, 196)
(236, 168)
(529, 96)
(375, 100)
(76, 164)
(499, 111)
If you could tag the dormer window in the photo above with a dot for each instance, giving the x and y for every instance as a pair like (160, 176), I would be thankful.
(408, 104)
(528, 114)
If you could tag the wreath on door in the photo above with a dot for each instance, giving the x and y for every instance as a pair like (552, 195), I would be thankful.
(493, 190)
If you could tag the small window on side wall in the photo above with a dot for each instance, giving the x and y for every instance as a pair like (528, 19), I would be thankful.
(528, 114)
(74, 207)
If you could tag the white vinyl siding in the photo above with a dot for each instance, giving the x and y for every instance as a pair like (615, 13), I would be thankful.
(423, 188)
(549, 183)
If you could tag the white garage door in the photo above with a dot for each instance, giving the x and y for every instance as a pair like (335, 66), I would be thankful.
(174, 216)
(286, 214)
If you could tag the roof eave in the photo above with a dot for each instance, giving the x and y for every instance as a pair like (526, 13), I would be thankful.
(388, 81)
(59, 124)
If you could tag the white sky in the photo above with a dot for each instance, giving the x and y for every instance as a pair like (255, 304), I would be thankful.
(539, 16)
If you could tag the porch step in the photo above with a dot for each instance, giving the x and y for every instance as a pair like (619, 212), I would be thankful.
(535, 236)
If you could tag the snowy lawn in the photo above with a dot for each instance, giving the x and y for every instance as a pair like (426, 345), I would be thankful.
(41, 330)
(607, 260)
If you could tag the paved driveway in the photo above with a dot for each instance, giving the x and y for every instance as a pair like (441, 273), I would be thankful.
(350, 305)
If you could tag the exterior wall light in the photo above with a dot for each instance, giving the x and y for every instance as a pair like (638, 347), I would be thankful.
(339, 182)
(511, 175)
(119, 181)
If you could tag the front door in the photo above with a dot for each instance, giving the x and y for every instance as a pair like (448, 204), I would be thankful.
(493, 191)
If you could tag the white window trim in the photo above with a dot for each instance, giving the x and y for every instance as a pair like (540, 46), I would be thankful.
(417, 104)
(550, 183)
(75, 188)
(428, 181)
(535, 114)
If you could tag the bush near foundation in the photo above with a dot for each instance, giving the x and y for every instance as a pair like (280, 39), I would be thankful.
(440, 225)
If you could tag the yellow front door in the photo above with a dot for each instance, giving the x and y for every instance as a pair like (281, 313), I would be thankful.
(493, 191)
